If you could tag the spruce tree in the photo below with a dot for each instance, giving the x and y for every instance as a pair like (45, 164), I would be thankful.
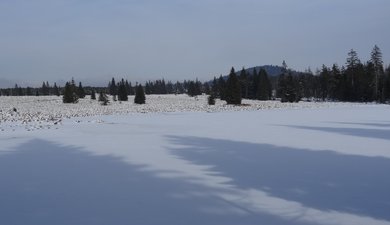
(70, 93)
(122, 91)
(211, 99)
(29, 91)
(254, 84)
(386, 85)
(112, 87)
(333, 82)
(352, 63)
(170, 87)
(376, 60)
(244, 83)
(206, 88)
(324, 80)
(287, 88)
(80, 91)
(194, 88)
(191, 88)
(56, 90)
(103, 99)
(148, 88)
(214, 87)
(233, 89)
(15, 90)
(45, 88)
(221, 88)
(74, 91)
(264, 88)
(139, 95)
(68, 96)
(129, 88)
(93, 94)
(284, 67)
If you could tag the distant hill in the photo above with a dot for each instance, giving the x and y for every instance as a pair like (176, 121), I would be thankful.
(271, 70)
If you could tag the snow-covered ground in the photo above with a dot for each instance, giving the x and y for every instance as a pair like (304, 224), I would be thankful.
(43, 112)
(311, 164)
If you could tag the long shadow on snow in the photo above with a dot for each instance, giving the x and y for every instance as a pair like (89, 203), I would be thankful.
(384, 124)
(320, 179)
(43, 183)
(358, 132)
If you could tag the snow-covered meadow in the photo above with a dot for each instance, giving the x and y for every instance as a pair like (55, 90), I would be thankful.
(41, 112)
(184, 162)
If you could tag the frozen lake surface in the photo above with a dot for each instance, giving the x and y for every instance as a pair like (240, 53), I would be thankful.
(290, 165)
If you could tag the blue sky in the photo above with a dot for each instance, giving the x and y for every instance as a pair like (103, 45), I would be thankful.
(93, 40)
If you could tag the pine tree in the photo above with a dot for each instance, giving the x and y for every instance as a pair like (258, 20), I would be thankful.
(129, 88)
(282, 86)
(162, 87)
(56, 90)
(386, 85)
(70, 93)
(122, 91)
(352, 63)
(287, 88)
(179, 88)
(284, 67)
(29, 91)
(233, 89)
(194, 88)
(139, 95)
(333, 82)
(244, 83)
(214, 87)
(264, 88)
(324, 79)
(206, 88)
(211, 99)
(68, 96)
(170, 87)
(80, 91)
(103, 99)
(222, 88)
(112, 87)
(253, 84)
(148, 88)
(15, 90)
(93, 95)
(74, 91)
(45, 88)
(376, 60)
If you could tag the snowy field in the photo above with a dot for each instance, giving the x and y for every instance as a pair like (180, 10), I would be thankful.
(307, 163)
(45, 111)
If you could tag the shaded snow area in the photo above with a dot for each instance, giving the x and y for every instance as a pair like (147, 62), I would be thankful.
(44, 112)
(310, 165)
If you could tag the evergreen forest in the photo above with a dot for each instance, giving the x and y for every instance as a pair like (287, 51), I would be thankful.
(355, 81)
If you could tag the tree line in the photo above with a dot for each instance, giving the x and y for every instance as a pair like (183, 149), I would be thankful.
(45, 90)
(119, 91)
(355, 81)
